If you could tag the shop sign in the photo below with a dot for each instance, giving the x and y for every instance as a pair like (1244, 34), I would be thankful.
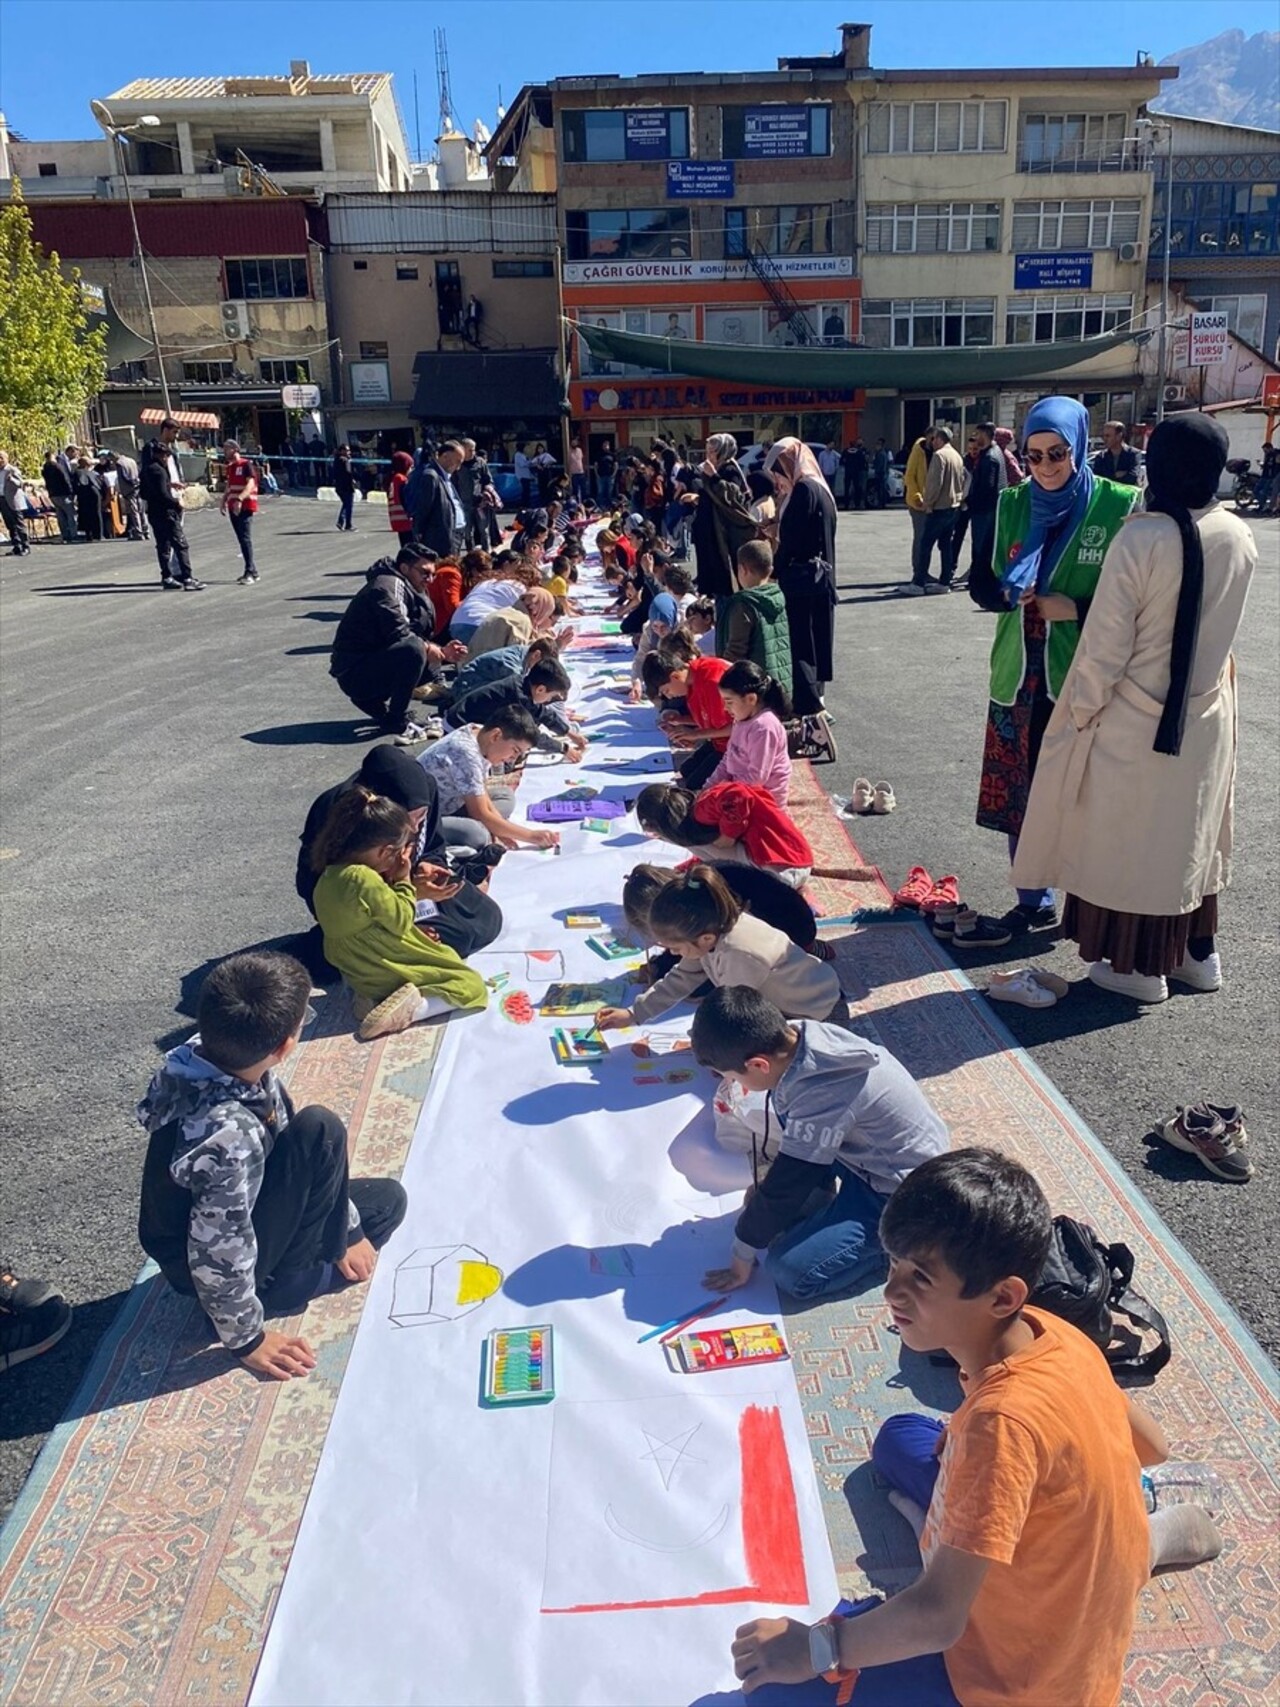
(647, 134)
(370, 382)
(719, 272)
(695, 180)
(300, 396)
(1210, 339)
(701, 397)
(773, 132)
(1054, 272)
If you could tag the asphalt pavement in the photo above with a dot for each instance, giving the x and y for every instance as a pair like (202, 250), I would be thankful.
(158, 752)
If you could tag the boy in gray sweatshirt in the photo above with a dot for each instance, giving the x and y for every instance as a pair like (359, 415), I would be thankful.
(846, 1124)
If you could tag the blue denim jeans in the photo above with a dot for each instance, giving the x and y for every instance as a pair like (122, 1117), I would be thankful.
(833, 1248)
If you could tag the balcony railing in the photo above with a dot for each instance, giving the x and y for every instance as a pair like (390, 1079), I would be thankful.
(1078, 161)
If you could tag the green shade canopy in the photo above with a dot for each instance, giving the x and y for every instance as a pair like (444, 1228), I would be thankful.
(827, 368)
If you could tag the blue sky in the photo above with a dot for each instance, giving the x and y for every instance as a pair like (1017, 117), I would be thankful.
(56, 54)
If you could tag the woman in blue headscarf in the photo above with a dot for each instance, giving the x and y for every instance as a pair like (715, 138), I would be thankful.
(1052, 533)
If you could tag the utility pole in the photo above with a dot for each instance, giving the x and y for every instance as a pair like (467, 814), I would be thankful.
(566, 440)
(117, 134)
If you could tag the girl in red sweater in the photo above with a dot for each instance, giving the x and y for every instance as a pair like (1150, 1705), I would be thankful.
(729, 822)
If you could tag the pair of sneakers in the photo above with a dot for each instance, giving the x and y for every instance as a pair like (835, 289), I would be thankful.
(1205, 975)
(33, 1317)
(1214, 1133)
(872, 799)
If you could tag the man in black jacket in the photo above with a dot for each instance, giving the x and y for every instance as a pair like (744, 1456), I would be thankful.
(57, 483)
(987, 480)
(478, 494)
(1118, 460)
(383, 646)
(439, 520)
(160, 484)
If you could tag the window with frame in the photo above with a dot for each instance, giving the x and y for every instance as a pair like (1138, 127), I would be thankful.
(932, 228)
(1072, 142)
(373, 350)
(929, 323)
(523, 270)
(937, 127)
(1099, 224)
(406, 272)
(793, 229)
(1218, 219)
(1036, 318)
(207, 373)
(618, 234)
(272, 279)
(1246, 316)
(590, 135)
(285, 372)
(744, 132)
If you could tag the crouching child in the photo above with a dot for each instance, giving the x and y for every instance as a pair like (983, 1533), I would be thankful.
(246, 1202)
(844, 1124)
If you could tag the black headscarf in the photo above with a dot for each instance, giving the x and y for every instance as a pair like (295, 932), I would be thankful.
(391, 772)
(1185, 459)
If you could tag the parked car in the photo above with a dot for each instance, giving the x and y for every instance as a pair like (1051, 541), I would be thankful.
(749, 460)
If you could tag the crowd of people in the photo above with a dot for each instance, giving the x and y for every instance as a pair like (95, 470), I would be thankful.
(1108, 764)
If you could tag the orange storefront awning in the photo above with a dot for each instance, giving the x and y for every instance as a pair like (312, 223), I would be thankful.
(184, 418)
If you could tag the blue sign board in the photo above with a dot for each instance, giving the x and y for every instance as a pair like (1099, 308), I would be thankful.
(770, 132)
(693, 180)
(648, 133)
(1053, 272)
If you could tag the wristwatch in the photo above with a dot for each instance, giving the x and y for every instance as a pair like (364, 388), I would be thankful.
(824, 1655)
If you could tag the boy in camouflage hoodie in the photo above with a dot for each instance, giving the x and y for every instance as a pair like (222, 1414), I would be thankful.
(246, 1203)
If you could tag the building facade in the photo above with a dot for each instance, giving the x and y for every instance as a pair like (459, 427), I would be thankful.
(1224, 240)
(717, 208)
(238, 288)
(445, 313)
(309, 135)
(1004, 207)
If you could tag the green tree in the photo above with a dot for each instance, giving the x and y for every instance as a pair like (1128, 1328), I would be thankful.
(51, 364)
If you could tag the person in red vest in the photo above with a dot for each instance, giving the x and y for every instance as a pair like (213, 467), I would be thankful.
(240, 504)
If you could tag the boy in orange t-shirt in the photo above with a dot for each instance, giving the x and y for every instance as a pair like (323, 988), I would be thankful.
(1036, 1539)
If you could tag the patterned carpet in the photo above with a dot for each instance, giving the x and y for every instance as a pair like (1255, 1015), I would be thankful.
(142, 1563)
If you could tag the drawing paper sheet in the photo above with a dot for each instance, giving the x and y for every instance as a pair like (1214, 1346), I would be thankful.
(444, 1546)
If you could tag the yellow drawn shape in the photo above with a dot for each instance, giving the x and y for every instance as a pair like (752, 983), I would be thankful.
(477, 1281)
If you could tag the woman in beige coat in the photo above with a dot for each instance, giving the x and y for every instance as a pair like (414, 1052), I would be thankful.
(1130, 810)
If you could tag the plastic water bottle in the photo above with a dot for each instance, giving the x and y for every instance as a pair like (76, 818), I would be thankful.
(1182, 1483)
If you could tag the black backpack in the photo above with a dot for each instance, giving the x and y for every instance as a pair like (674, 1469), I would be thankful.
(1085, 1282)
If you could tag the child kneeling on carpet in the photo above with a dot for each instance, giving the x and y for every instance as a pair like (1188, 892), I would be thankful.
(697, 917)
(1034, 1531)
(757, 750)
(246, 1203)
(764, 897)
(366, 904)
(844, 1123)
(730, 823)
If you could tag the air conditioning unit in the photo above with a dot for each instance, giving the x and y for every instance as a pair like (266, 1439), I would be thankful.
(235, 322)
(1175, 393)
(1131, 251)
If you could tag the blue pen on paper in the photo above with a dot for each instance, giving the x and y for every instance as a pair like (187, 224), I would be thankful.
(684, 1316)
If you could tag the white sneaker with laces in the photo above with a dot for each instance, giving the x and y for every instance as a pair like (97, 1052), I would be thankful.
(1136, 985)
(1203, 974)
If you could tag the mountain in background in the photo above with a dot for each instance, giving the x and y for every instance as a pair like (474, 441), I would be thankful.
(1233, 79)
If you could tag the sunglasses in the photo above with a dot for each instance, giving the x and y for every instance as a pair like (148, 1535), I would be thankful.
(1058, 454)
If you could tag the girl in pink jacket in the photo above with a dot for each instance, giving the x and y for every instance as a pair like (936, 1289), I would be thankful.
(757, 750)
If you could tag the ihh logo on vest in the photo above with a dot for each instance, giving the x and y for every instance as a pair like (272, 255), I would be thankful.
(1093, 536)
(1093, 545)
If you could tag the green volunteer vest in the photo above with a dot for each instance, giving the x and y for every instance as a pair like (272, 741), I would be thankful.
(770, 635)
(1075, 574)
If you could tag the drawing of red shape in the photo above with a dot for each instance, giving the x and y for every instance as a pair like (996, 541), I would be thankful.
(770, 1539)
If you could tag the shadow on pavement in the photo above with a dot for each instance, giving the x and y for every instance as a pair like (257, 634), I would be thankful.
(318, 615)
(92, 592)
(304, 945)
(311, 734)
(305, 651)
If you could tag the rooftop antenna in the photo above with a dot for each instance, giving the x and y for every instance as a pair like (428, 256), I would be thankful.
(442, 79)
(417, 118)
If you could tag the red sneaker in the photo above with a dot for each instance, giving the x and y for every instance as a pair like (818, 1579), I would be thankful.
(945, 893)
(918, 886)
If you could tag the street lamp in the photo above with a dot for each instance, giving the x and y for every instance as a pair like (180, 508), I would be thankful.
(117, 132)
(1150, 129)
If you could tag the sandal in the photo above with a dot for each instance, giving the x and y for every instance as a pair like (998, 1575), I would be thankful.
(918, 885)
(862, 796)
(1021, 987)
(884, 800)
(944, 894)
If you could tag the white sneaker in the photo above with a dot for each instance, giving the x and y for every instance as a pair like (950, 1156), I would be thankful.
(1203, 974)
(1135, 985)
